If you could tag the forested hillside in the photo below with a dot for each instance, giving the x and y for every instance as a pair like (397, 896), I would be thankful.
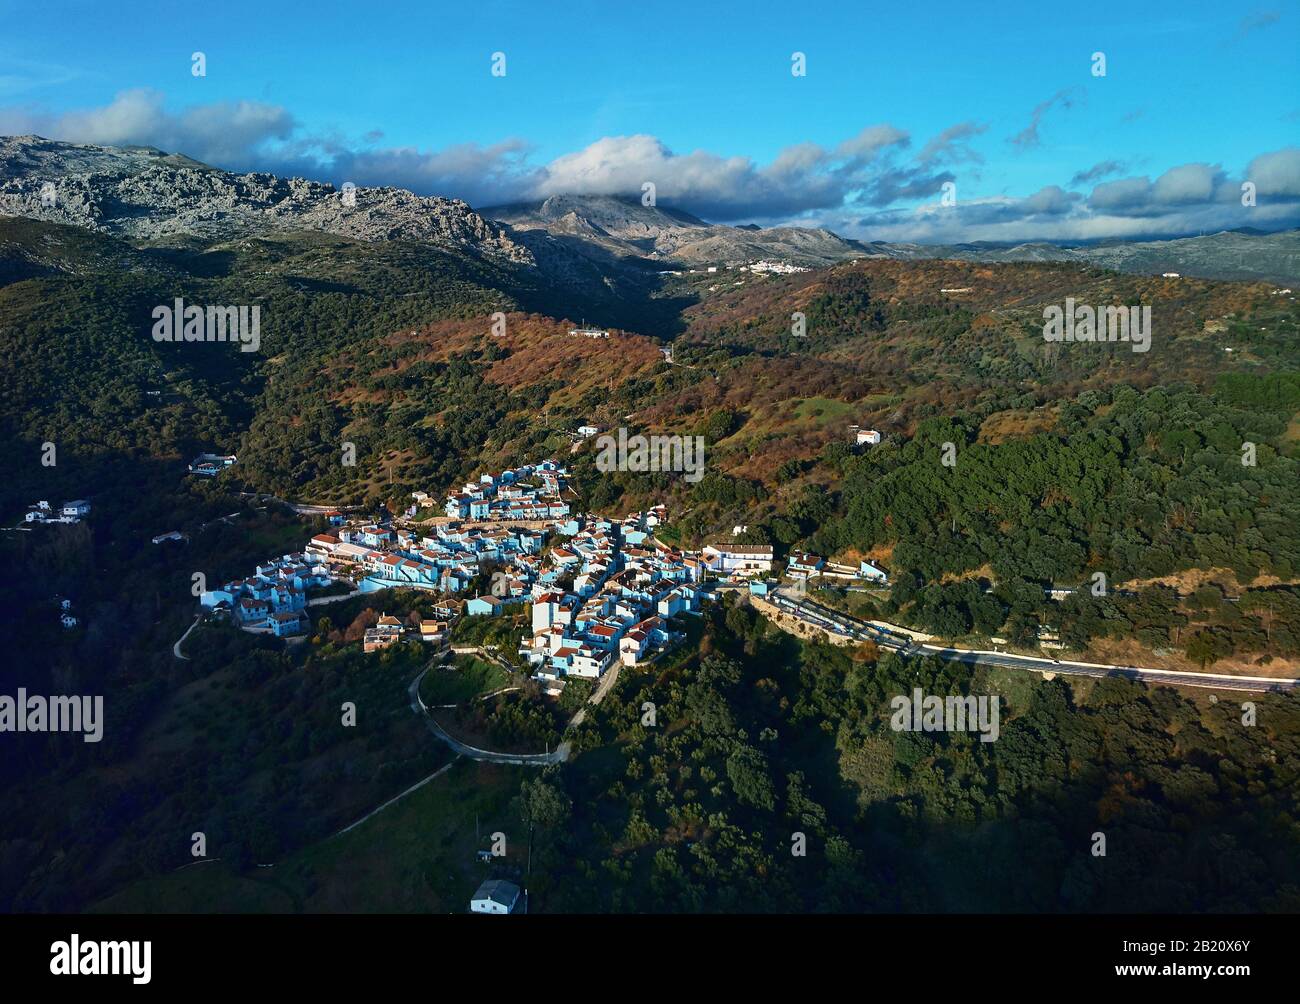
(758, 738)
(1007, 465)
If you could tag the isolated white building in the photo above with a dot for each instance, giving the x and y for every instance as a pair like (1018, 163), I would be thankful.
(495, 896)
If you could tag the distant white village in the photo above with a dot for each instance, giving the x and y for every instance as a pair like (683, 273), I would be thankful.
(605, 591)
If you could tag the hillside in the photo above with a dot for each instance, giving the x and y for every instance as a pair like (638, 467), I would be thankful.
(1227, 255)
(625, 227)
(1071, 459)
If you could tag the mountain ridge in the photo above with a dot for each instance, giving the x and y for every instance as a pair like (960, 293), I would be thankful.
(146, 194)
(579, 241)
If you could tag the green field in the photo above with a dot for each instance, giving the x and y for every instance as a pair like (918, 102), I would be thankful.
(417, 856)
(463, 679)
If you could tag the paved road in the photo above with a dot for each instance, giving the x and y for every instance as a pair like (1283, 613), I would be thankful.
(1173, 678)
(557, 755)
(302, 508)
(176, 649)
(220, 519)
(322, 600)
(838, 623)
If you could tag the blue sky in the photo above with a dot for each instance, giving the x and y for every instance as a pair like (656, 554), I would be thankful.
(899, 99)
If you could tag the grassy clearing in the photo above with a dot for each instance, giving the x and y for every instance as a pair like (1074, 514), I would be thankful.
(416, 856)
(464, 679)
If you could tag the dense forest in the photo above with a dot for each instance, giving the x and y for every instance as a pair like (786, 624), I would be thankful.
(756, 738)
(1007, 466)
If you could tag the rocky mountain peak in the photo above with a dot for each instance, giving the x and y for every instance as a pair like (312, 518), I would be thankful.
(147, 194)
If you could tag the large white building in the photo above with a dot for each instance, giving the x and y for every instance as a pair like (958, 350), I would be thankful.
(738, 559)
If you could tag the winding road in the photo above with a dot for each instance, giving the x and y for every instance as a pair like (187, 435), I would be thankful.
(841, 624)
(558, 755)
(176, 649)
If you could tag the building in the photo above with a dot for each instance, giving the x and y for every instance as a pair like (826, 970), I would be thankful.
(803, 564)
(433, 631)
(587, 431)
(286, 622)
(486, 606)
(251, 611)
(69, 512)
(873, 572)
(867, 437)
(209, 465)
(737, 559)
(495, 896)
(387, 632)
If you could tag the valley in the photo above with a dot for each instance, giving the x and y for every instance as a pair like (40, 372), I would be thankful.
(861, 406)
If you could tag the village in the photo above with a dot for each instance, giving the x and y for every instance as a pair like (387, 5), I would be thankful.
(606, 591)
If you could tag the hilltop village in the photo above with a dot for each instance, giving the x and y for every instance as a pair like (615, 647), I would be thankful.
(605, 590)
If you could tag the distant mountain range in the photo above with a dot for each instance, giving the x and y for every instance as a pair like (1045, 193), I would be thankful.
(148, 195)
(1231, 254)
(626, 228)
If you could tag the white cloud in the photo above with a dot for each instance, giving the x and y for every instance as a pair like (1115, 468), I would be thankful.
(1276, 174)
(217, 133)
(856, 186)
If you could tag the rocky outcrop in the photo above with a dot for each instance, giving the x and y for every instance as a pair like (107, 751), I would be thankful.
(146, 194)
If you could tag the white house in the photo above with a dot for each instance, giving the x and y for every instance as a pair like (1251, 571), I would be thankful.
(495, 896)
(590, 662)
(745, 559)
(631, 647)
(587, 431)
(873, 572)
(870, 437)
(76, 509)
